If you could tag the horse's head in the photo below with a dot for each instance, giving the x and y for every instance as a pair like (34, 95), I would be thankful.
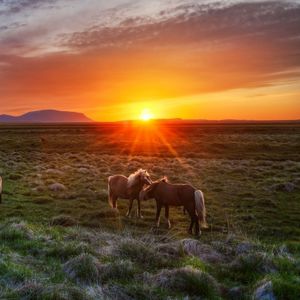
(145, 177)
(148, 192)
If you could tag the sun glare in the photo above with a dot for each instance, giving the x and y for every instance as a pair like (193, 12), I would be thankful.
(146, 115)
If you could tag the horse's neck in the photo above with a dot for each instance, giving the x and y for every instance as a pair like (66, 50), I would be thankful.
(136, 186)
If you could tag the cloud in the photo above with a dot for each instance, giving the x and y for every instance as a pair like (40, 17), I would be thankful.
(120, 50)
(252, 44)
(264, 20)
(16, 6)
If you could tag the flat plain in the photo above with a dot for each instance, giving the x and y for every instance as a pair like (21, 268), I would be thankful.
(55, 214)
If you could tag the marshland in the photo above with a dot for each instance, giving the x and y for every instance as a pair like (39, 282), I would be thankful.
(60, 239)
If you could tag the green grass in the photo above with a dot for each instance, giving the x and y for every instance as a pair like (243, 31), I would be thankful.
(242, 170)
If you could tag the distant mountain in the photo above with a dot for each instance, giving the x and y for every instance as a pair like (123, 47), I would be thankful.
(46, 116)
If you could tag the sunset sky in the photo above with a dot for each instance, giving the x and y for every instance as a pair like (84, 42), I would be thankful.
(114, 59)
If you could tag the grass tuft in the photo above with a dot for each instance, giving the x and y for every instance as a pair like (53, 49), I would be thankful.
(83, 269)
(186, 280)
(15, 231)
(142, 253)
(63, 220)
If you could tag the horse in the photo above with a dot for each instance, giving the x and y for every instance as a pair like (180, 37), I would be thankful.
(167, 194)
(0, 189)
(120, 186)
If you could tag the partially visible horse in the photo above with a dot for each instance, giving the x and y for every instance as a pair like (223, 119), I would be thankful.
(120, 186)
(167, 194)
(0, 189)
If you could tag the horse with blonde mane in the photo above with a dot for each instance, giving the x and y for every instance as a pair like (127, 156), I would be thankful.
(122, 187)
(167, 194)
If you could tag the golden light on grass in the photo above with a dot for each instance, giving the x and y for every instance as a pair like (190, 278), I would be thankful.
(146, 115)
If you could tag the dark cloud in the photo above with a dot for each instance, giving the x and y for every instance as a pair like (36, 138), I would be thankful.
(16, 6)
(271, 21)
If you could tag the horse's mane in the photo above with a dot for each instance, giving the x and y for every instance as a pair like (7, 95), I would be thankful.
(155, 183)
(132, 178)
(164, 179)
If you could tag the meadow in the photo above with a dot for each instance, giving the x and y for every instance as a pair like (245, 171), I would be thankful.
(59, 239)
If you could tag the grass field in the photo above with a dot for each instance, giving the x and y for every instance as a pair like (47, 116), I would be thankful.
(59, 238)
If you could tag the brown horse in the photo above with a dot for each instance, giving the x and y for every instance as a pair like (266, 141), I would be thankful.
(120, 186)
(0, 189)
(167, 194)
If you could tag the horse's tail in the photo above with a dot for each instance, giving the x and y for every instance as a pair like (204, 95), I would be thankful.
(109, 192)
(200, 208)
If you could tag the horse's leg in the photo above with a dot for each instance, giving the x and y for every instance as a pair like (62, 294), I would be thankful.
(158, 209)
(197, 230)
(194, 220)
(191, 213)
(129, 207)
(167, 215)
(114, 201)
(139, 208)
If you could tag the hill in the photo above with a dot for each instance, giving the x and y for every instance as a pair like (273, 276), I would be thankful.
(46, 116)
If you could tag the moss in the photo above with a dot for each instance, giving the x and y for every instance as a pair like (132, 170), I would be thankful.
(193, 262)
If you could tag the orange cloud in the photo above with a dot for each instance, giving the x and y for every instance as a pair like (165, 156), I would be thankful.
(174, 59)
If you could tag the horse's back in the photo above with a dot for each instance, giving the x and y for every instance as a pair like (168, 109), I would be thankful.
(116, 179)
(118, 185)
(167, 193)
(175, 194)
(186, 190)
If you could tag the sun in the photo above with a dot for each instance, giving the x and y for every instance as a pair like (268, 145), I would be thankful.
(146, 115)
